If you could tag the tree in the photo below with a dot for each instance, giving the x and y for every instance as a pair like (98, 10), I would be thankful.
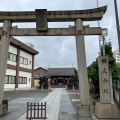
(115, 71)
(93, 74)
(74, 80)
(93, 71)
(75, 73)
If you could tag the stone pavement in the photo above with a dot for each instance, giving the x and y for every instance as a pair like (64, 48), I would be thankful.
(66, 110)
(17, 107)
(59, 106)
(75, 99)
(53, 103)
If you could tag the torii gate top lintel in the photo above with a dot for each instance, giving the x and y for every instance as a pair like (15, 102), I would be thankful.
(42, 17)
(55, 16)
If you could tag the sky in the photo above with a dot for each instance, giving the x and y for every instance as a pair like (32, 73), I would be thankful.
(60, 51)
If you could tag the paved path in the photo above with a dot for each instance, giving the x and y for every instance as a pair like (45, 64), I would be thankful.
(17, 107)
(17, 102)
(66, 110)
(59, 107)
(53, 104)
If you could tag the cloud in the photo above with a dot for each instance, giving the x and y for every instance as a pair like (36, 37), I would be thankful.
(61, 51)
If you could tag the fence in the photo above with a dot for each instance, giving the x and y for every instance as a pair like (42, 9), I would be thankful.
(36, 111)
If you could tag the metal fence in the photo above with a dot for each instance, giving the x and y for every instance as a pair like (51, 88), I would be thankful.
(36, 111)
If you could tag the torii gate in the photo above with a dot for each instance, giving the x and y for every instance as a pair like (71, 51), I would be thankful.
(41, 17)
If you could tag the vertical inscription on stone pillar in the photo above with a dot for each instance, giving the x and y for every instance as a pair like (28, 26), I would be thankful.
(41, 19)
(104, 79)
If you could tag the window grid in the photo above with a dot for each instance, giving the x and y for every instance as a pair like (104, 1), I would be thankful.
(9, 79)
(12, 57)
(22, 80)
(23, 60)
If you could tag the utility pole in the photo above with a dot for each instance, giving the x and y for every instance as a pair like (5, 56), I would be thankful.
(118, 33)
(99, 36)
(117, 23)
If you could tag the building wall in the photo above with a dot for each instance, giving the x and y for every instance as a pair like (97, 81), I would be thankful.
(36, 83)
(40, 73)
(116, 55)
(28, 75)
(64, 81)
(11, 73)
(13, 64)
(29, 57)
(14, 51)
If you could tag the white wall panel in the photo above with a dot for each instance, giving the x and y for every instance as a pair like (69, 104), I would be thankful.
(28, 75)
(29, 57)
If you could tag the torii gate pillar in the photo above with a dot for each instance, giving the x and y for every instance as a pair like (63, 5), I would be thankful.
(84, 109)
(82, 67)
(5, 41)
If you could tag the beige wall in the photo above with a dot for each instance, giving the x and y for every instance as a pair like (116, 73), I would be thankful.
(36, 83)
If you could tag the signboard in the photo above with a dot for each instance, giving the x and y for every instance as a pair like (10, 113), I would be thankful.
(104, 81)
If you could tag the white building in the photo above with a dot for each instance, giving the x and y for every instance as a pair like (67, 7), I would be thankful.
(116, 55)
(20, 66)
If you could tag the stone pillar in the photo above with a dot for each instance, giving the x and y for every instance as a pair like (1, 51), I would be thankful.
(84, 109)
(17, 70)
(81, 60)
(4, 47)
(73, 87)
(32, 77)
(104, 80)
(104, 110)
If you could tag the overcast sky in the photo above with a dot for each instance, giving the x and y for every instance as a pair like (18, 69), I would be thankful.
(61, 51)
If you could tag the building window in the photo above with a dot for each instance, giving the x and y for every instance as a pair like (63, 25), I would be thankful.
(118, 59)
(11, 57)
(22, 80)
(118, 53)
(30, 62)
(9, 79)
(23, 61)
(118, 56)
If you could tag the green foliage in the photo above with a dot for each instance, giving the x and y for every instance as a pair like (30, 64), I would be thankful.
(115, 71)
(76, 73)
(93, 72)
(74, 80)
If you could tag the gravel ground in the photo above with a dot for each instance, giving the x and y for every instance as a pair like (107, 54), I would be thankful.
(18, 102)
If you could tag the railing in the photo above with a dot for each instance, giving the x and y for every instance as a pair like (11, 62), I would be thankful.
(36, 111)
